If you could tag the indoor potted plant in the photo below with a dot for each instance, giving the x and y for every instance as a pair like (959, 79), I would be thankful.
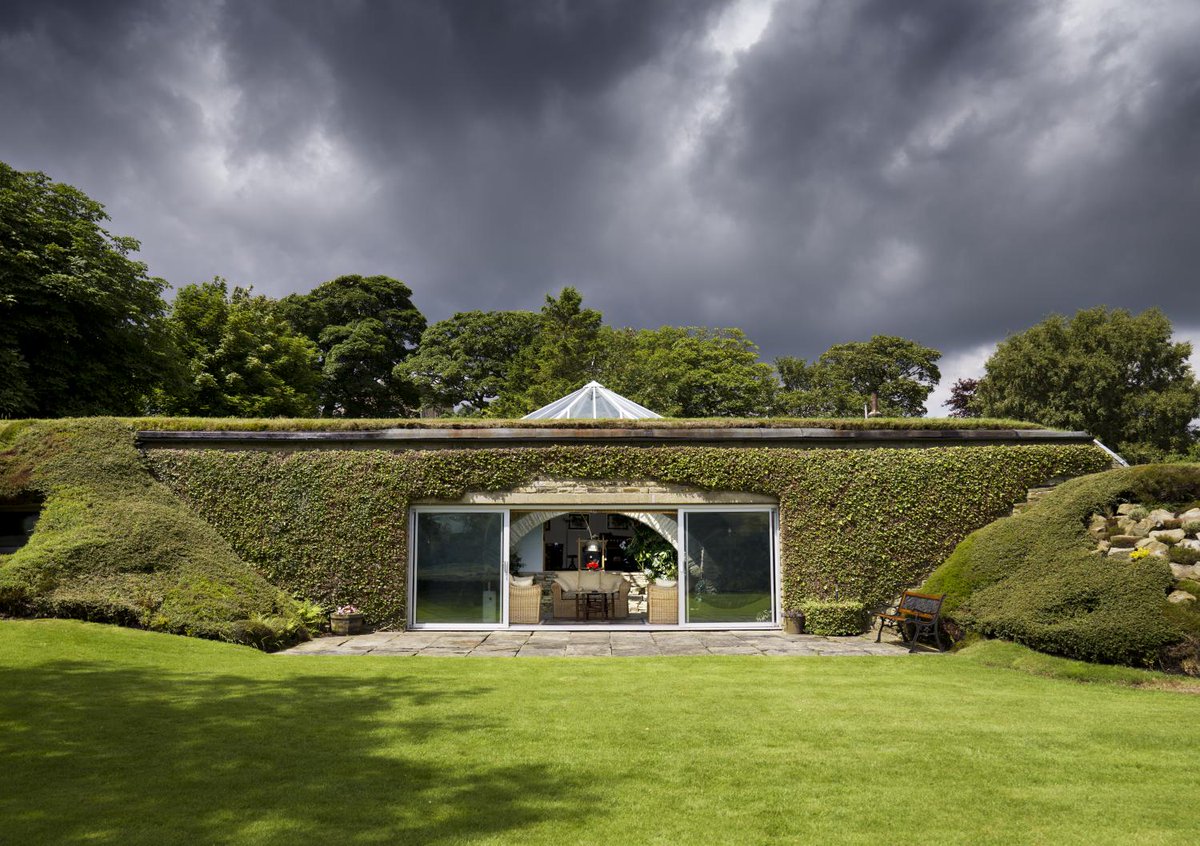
(654, 554)
(346, 620)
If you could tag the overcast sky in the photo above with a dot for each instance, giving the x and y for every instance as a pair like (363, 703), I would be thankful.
(811, 172)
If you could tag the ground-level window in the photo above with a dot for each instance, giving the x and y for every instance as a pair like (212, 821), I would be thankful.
(729, 566)
(459, 568)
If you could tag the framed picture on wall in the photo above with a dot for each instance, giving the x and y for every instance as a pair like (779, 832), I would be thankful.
(577, 521)
(619, 522)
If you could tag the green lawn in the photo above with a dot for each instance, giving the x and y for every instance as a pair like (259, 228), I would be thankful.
(110, 735)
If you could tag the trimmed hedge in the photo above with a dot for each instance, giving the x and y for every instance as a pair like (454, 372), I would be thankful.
(1036, 579)
(834, 618)
(114, 545)
(856, 523)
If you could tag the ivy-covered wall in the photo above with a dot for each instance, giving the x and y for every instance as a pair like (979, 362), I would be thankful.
(856, 524)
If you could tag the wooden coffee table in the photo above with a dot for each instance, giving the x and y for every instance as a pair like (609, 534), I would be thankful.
(592, 602)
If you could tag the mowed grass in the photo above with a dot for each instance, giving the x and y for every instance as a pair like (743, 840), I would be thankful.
(110, 735)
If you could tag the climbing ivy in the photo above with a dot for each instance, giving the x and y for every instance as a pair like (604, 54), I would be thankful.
(856, 524)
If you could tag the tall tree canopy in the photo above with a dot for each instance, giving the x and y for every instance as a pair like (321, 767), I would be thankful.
(243, 359)
(840, 383)
(464, 362)
(1108, 372)
(689, 371)
(83, 328)
(566, 353)
(363, 326)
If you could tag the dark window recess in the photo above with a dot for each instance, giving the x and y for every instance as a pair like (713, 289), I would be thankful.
(17, 521)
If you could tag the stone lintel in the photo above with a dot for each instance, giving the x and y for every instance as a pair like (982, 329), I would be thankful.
(543, 492)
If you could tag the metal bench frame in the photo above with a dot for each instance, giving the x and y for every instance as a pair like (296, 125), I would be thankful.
(915, 615)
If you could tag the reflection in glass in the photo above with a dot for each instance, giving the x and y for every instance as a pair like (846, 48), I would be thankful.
(728, 567)
(458, 572)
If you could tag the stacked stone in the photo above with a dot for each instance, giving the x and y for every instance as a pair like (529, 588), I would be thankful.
(1155, 530)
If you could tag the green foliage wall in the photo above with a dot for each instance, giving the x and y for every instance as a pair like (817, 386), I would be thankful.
(856, 524)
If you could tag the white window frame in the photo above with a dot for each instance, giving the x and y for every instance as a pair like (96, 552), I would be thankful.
(680, 512)
(411, 612)
(683, 576)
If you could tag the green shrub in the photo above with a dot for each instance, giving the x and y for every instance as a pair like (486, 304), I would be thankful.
(1139, 513)
(1184, 655)
(1192, 527)
(258, 633)
(833, 618)
(313, 616)
(113, 545)
(1190, 585)
(1032, 578)
(1183, 555)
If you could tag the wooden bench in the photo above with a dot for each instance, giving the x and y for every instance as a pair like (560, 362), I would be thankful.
(916, 614)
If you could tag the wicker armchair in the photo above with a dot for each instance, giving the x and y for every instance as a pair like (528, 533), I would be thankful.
(567, 584)
(662, 605)
(525, 604)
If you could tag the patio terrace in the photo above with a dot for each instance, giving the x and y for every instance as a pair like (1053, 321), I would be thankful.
(599, 644)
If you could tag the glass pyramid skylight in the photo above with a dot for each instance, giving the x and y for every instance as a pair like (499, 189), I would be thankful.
(592, 402)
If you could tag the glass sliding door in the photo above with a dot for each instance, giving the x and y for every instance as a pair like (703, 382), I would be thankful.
(729, 566)
(458, 568)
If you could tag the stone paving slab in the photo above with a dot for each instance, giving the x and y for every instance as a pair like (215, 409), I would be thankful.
(575, 644)
(590, 650)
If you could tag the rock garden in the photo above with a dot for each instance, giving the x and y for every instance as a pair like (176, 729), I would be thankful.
(1136, 532)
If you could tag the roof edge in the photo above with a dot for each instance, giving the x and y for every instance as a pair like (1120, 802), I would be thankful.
(502, 436)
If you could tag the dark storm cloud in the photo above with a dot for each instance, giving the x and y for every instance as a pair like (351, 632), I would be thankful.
(812, 172)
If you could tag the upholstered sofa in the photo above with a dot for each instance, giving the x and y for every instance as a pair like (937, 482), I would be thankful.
(569, 583)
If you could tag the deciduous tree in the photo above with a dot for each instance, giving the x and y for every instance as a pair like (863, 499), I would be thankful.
(1119, 376)
(566, 353)
(243, 358)
(962, 393)
(689, 371)
(464, 362)
(82, 327)
(363, 327)
(902, 373)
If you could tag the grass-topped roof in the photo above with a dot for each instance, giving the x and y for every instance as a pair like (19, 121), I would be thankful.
(342, 424)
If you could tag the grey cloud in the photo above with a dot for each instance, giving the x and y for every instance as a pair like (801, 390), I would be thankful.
(942, 170)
